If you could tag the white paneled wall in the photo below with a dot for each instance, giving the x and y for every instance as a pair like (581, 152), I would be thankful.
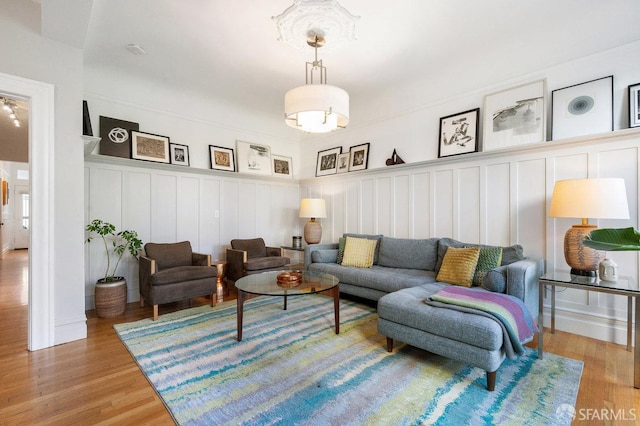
(169, 204)
(498, 198)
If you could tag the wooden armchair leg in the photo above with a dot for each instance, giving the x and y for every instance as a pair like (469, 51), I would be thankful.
(155, 312)
(213, 300)
(389, 344)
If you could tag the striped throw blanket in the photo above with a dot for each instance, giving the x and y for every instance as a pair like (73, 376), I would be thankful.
(510, 312)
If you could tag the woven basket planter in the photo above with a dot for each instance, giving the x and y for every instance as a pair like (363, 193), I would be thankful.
(110, 298)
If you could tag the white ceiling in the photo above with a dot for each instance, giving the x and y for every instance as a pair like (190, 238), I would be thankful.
(230, 49)
(408, 53)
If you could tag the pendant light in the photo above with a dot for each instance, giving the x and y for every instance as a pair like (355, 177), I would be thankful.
(316, 107)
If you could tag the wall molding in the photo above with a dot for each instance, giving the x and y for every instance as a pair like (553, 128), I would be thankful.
(546, 146)
(172, 168)
(500, 198)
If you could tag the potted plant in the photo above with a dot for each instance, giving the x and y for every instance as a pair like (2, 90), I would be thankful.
(110, 295)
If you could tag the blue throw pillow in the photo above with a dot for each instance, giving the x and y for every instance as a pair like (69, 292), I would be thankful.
(495, 281)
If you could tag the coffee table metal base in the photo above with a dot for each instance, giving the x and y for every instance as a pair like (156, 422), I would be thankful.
(244, 296)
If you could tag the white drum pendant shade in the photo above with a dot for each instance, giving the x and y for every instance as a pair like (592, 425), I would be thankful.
(316, 108)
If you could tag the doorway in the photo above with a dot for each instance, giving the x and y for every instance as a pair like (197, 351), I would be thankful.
(41, 269)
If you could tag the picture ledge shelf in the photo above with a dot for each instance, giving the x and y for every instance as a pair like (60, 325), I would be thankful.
(120, 161)
(607, 137)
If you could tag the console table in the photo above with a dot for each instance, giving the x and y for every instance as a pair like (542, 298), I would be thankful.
(298, 254)
(624, 286)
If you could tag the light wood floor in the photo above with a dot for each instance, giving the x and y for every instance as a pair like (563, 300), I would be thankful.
(95, 381)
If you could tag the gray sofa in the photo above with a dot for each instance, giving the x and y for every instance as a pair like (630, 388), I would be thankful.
(404, 275)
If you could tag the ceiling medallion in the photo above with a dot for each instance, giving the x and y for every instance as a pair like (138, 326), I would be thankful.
(325, 18)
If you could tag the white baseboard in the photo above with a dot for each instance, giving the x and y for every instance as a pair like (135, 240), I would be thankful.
(596, 327)
(70, 329)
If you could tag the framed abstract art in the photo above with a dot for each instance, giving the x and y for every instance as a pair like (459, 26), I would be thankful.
(459, 133)
(515, 116)
(582, 109)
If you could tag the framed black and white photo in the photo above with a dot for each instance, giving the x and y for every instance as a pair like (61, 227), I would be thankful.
(634, 105)
(514, 116)
(582, 109)
(222, 158)
(459, 133)
(282, 166)
(115, 136)
(179, 154)
(253, 158)
(327, 162)
(149, 147)
(359, 157)
(343, 162)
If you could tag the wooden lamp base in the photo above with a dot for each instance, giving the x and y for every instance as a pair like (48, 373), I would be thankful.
(582, 259)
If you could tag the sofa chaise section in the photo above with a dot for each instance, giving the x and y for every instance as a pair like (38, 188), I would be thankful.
(404, 275)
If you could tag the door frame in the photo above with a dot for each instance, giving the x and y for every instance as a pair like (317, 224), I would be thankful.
(41, 189)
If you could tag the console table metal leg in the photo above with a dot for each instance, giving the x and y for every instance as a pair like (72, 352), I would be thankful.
(540, 317)
(636, 353)
(629, 319)
(553, 309)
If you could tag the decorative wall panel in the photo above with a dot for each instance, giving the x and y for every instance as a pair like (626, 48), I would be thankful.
(171, 204)
(499, 198)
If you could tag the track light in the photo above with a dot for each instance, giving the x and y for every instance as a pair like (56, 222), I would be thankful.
(11, 107)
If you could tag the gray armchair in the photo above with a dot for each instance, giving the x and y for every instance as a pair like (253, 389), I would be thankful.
(252, 256)
(171, 272)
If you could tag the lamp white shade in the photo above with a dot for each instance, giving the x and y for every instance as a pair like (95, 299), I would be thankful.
(316, 108)
(602, 198)
(313, 207)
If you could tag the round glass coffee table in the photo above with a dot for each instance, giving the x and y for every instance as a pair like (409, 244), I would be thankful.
(285, 284)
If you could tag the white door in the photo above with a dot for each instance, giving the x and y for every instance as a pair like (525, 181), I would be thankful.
(23, 221)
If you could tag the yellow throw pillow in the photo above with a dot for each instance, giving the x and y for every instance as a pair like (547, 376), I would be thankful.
(359, 252)
(459, 266)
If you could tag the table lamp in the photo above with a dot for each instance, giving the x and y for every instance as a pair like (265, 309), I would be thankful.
(603, 198)
(313, 208)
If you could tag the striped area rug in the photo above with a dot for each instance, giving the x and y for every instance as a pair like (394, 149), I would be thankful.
(291, 368)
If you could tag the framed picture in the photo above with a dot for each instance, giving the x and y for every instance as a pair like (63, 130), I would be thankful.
(149, 147)
(179, 154)
(115, 136)
(222, 158)
(514, 116)
(582, 109)
(459, 133)
(343, 162)
(359, 157)
(634, 105)
(253, 158)
(327, 163)
(282, 166)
